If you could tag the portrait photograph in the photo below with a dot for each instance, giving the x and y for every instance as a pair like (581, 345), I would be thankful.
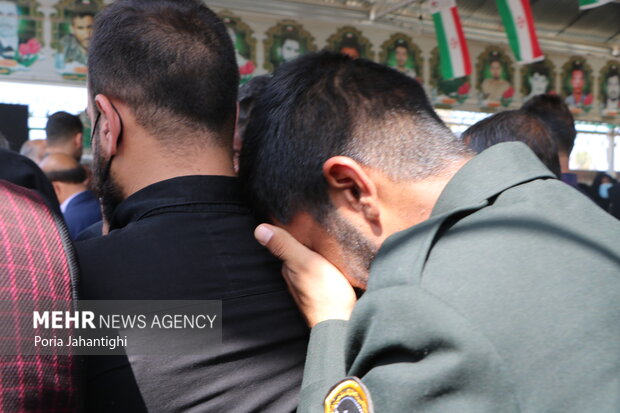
(71, 33)
(242, 37)
(286, 41)
(495, 78)
(447, 94)
(610, 89)
(401, 53)
(577, 85)
(20, 35)
(537, 79)
(351, 42)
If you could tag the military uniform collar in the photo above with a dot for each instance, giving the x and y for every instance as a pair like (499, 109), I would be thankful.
(488, 174)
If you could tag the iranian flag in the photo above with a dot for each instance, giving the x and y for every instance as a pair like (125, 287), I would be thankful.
(519, 25)
(588, 4)
(454, 58)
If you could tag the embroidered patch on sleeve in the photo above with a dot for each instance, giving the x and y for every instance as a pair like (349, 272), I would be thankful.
(348, 396)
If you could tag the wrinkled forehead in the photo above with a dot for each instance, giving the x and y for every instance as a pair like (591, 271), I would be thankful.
(8, 8)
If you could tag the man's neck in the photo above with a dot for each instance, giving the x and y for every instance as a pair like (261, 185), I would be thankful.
(152, 169)
(563, 157)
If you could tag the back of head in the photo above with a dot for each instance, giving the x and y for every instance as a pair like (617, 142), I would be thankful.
(324, 105)
(515, 125)
(61, 128)
(552, 110)
(173, 63)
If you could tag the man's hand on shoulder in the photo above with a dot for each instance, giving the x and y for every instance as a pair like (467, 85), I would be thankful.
(320, 290)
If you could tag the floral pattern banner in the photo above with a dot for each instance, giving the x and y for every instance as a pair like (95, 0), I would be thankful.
(242, 37)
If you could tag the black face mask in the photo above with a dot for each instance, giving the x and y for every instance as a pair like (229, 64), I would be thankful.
(107, 190)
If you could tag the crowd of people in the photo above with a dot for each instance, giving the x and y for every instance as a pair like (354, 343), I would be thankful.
(366, 258)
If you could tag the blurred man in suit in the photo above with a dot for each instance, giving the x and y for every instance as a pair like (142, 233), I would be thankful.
(78, 204)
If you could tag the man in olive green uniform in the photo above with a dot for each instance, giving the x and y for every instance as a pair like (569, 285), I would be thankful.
(496, 287)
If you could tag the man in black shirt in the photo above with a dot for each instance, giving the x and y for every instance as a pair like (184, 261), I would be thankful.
(162, 90)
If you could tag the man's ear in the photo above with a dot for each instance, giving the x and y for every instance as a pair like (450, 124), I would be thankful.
(350, 184)
(79, 139)
(109, 128)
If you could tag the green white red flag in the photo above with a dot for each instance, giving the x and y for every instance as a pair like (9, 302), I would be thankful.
(588, 4)
(519, 26)
(454, 58)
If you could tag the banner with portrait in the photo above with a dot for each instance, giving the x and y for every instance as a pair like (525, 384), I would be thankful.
(351, 42)
(537, 79)
(242, 37)
(447, 94)
(495, 78)
(401, 53)
(72, 29)
(286, 41)
(577, 85)
(21, 35)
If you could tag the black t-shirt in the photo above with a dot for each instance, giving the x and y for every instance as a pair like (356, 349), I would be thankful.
(191, 238)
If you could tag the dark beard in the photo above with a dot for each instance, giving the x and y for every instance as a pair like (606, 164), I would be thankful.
(360, 251)
(105, 187)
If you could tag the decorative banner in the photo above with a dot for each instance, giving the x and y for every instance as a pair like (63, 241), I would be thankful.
(610, 89)
(72, 29)
(350, 41)
(537, 79)
(519, 25)
(244, 43)
(447, 94)
(400, 53)
(454, 55)
(495, 78)
(20, 35)
(588, 4)
(577, 85)
(284, 42)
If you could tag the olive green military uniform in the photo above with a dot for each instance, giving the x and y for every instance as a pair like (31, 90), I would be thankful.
(506, 300)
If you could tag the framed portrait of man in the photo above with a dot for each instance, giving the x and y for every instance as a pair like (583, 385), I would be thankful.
(610, 89)
(286, 41)
(21, 33)
(401, 53)
(577, 85)
(537, 79)
(72, 30)
(242, 37)
(351, 42)
(446, 94)
(495, 78)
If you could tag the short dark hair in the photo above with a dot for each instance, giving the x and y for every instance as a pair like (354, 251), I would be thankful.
(553, 111)
(327, 104)
(248, 95)
(172, 62)
(61, 127)
(515, 125)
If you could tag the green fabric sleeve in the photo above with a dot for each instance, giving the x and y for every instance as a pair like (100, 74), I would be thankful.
(324, 364)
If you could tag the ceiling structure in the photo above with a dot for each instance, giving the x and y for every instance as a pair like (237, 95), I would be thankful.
(560, 25)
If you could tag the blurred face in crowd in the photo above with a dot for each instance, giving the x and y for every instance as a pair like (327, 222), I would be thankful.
(577, 81)
(538, 83)
(496, 69)
(401, 55)
(352, 52)
(8, 19)
(82, 28)
(613, 87)
(290, 50)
